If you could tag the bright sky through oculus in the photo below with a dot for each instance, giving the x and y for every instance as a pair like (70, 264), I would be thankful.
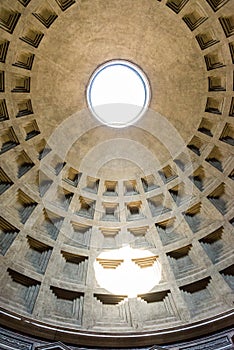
(118, 93)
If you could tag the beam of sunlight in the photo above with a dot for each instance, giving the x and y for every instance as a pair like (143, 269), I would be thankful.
(126, 277)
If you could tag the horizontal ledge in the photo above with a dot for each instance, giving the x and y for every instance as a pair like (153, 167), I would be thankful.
(48, 331)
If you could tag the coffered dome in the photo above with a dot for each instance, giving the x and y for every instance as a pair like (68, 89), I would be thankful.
(116, 237)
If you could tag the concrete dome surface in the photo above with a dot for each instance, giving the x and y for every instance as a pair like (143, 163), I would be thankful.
(116, 237)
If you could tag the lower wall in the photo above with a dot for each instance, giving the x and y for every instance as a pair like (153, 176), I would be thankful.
(10, 340)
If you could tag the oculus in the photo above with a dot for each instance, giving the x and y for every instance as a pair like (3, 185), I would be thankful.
(118, 93)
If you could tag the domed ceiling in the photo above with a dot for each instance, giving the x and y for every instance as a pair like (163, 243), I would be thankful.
(89, 211)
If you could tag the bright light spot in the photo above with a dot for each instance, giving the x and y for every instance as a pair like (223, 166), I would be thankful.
(118, 93)
(128, 278)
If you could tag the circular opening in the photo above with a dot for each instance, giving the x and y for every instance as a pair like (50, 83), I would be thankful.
(118, 93)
